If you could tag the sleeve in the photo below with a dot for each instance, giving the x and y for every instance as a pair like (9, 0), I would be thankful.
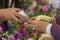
(55, 31)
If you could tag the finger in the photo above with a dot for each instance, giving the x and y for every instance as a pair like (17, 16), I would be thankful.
(17, 9)
(16, 19)
(16, 14)
(23, 17)
(32, 22)
(29, 25)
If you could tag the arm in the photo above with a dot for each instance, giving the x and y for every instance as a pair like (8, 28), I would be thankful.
(54, 30)
(44, 26)
(2, 19)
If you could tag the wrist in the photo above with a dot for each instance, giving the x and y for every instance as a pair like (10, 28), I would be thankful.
(2, 15)
(45, 26)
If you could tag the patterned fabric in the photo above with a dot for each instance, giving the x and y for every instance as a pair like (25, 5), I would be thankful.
(55, 32)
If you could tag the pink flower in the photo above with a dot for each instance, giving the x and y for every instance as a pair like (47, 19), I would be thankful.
(46, 8)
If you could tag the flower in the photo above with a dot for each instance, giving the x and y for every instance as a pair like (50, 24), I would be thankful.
(46, 8)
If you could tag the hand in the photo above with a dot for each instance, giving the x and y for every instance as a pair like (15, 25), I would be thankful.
(12, 14)
(39, 25)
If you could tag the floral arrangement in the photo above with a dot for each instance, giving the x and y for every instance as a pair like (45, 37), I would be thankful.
(19, 32)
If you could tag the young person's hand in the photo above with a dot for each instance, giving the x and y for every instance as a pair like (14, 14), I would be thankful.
(12, 14)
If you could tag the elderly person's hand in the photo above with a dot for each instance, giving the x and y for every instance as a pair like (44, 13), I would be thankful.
(38, 25)
(11, 14)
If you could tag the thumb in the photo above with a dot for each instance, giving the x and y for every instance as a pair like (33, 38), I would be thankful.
(17, 9)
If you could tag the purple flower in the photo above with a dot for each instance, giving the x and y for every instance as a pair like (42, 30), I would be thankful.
(23, 32)
(3, 27)
(3, 38)
(18, 35)
(12, 37)
(46, 8)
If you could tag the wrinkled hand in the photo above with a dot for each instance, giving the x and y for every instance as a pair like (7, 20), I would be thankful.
(12, 14)
(39, 25)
